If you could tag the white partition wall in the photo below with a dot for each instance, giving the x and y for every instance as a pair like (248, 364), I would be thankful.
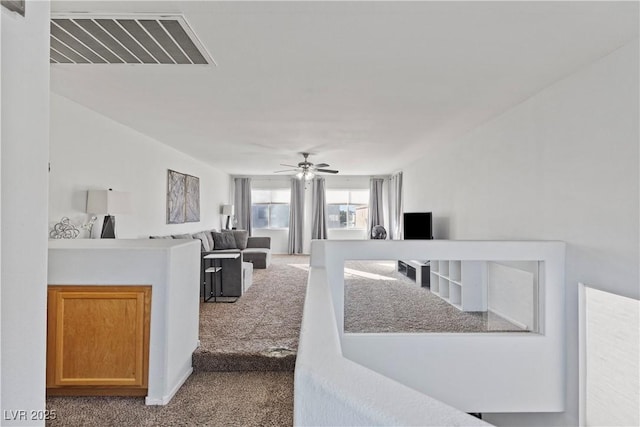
(609, 359)
(473, 372)
(171, 267)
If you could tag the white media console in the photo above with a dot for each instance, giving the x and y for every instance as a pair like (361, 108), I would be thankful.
(462, 284)
(415, 270)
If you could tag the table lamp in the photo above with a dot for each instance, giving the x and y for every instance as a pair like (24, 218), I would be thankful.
(228, 211)
(108, 203)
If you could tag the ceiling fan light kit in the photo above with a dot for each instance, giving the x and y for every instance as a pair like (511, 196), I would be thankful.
(308, 175)
(307, 170)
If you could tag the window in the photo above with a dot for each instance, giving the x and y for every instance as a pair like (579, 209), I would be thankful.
(347, 209)
(270, 208)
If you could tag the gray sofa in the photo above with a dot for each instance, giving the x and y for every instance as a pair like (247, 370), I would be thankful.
(258, 251)
(236, 273)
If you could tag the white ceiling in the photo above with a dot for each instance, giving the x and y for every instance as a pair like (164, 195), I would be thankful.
(367, 86)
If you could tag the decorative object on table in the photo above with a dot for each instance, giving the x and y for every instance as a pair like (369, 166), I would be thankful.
(183, 198)
(228, 211)
(108, 203)
(378, 232)
(89, 226)
(64, 230)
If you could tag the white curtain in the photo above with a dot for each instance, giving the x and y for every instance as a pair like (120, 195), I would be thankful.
(376, 215)
(242, 202)
(395, 207)
(296, 216)
(319, 210)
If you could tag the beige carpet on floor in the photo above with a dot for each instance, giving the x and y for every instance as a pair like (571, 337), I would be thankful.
(379, 299)
(206, 399)
(260, 331)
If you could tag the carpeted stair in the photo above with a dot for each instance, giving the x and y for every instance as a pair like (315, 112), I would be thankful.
(210, 361)
(260, 331)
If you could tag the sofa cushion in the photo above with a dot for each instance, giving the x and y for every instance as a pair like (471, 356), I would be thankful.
(224, 240)
(210, 238)
(241, 236)
(260, 257)
(202, 236)
(182, 236)
(161, 237)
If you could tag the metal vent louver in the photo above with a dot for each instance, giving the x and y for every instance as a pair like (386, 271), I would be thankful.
(95, 39)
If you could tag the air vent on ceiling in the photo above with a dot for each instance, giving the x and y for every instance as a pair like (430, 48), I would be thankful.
(88, 39)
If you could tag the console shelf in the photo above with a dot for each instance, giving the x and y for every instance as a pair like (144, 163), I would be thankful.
(417, 271)
(462, 284)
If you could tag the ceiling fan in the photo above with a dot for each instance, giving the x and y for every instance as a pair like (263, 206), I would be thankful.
(307, 170)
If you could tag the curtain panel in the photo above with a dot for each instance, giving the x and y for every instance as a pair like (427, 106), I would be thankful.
(242, 202)
(319, 210)
(395, 206)
(376, 207)
(296, 216)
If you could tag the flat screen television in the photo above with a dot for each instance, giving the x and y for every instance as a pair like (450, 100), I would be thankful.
(417, 226)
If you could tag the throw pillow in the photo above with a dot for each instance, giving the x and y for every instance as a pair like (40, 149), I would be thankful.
(224, 240)
(203, 238)
(210, 238)
(242, 237)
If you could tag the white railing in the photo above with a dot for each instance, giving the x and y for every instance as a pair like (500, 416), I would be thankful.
(403, 379)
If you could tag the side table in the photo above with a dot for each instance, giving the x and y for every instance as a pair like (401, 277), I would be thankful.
(211, 271)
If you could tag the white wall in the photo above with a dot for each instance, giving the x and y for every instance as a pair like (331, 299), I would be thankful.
(91, 151)
(562, 165)
(611, 325)
(467, 371)
(24, 146)
(174, 295)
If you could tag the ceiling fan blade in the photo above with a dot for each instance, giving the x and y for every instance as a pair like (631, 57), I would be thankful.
(286, 170)
(327, 170)
(291, 166)
(321, 165)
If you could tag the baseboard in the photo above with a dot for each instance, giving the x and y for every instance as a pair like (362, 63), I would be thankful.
(509, 319)
(166, 399)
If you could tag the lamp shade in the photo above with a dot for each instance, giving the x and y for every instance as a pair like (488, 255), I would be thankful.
(108, 202)
(227, 210)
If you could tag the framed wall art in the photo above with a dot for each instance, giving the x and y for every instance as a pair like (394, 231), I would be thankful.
(183, 198)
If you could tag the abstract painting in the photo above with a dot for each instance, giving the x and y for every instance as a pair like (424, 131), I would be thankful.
(192, 199)
(183, 198)
(15, 5)
(176, 197)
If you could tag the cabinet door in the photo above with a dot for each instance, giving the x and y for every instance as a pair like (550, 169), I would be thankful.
(98, 336)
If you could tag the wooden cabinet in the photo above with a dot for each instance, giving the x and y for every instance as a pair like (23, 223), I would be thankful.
(98, 340)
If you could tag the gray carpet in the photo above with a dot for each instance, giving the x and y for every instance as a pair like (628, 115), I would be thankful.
(206, 399)
(379, 299)
(260, 331)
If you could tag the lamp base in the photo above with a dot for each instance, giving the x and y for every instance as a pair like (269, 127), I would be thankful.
(108, 227)
(228, 220)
